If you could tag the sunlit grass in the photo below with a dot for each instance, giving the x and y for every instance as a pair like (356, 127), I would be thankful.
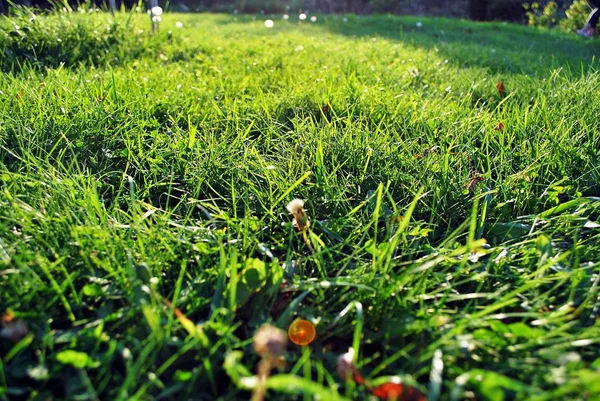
(144, 181)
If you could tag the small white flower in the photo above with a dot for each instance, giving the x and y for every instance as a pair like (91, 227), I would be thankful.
(313, 19)
(156, 11)
(295, 206)
(178, 24)
(269, 23)
(296, 209)
(302, 17)
(419, 24)
(286, 17)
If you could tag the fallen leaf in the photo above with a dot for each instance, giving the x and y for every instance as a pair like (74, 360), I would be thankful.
(501, 89)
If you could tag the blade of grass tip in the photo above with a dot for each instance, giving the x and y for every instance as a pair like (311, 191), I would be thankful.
(487, 201)
(114, 88)
(176, 293)
(217, 298)
(289, 190)
(435, 376)
(378, 202)
(319, 163)
(21, 345)
(210, 375)
(233, 282)
(191, 133)
(473, 224)
(357, 329)
(391, 250)
(57, 288)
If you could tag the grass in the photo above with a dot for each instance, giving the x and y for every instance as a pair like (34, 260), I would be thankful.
(142, 173)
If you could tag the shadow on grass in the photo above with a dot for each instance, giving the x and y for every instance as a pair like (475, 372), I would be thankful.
(500, 47)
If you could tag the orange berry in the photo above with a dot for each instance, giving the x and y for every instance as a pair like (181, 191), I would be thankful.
(302, 332)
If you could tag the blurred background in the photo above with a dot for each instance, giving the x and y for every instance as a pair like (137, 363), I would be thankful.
(545, 13)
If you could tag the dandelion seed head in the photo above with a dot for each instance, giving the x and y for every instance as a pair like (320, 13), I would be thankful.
(178, 24)
(269, 23)
(419, 24)
(296, 206)
(156, 18)
(286, 17)
(156, 11)
(302, 17)
(313, 19)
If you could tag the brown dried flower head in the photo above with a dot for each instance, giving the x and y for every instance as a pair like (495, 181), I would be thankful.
(296, 209)
(346, 369)
(270, 342)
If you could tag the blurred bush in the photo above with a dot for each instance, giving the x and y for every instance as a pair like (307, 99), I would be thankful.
(546, 16)
(570, 15)
(575, 15)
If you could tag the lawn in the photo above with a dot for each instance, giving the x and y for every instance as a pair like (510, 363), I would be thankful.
(449, 172)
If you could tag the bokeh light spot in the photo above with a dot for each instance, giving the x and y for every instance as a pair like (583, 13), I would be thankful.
(302, 332)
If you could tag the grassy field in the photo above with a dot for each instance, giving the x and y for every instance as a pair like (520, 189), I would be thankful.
(454, 237)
